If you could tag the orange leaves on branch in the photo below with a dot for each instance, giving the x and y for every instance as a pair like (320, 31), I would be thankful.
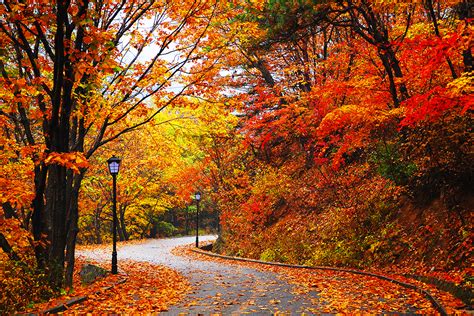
(351, 127)
(16, 176)
(73, 160)
(433, 104)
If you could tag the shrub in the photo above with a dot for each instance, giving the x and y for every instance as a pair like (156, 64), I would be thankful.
(165, 229)
(20, 285)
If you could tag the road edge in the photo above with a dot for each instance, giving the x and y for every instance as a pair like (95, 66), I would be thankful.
(426, 293)
(78, 299)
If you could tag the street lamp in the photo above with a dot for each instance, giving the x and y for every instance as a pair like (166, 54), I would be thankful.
(114, 166)
(197, 197)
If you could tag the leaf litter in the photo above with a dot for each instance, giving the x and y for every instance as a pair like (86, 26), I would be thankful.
(343, 292)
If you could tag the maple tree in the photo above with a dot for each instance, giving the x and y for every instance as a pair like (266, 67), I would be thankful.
(72, 73)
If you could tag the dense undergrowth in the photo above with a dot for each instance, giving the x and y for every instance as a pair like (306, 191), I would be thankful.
(20, 280)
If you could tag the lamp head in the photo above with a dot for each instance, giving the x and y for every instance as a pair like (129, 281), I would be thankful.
(114, 165)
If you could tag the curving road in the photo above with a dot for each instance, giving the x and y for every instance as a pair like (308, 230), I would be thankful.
(218, 288)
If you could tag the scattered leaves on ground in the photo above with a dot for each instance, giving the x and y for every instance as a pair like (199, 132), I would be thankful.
(342, 292)
(147, 288)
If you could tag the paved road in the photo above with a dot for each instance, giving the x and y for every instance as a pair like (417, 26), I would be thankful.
(218, 288)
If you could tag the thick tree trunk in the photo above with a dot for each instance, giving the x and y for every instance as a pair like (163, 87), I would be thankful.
(59, 183)
(39, 219)
(73, 229)
(56, 209)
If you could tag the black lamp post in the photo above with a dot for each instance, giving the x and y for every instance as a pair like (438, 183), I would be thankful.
(198, 198)
(114, 166)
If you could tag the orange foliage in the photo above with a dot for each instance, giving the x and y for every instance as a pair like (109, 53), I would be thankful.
(73, 160)
(354, 108)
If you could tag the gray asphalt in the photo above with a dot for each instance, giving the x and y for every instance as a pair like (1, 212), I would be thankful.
(217, 288)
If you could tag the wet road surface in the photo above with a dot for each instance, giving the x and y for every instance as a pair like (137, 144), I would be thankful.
(217, 288)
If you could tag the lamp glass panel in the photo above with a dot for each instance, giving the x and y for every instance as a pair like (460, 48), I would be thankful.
(114, 167)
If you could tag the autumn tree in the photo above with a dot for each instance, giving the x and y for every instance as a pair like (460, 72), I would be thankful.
(72, 73)
(157, 159)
